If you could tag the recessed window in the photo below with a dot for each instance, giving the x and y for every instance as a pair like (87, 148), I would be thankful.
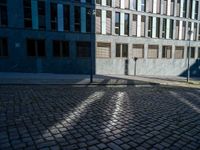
(134, 25)
(167, 52)
(98, 2)
(143, 5)
(3, 47)
(98, 21)
(77, 19)
(103, 50)
(3, 13)
(66, 17)
(152, 51)
(54, 18)
(117, 23)
(83, 49)
(108, 22)
(122, 50)
(60, 48)
(35, 47)
(138, 51)
(41, 14)
(179, 52)
(150, 26)
(199, 52)
(126, 24)
(27, 14)
(88, 20)
(192, 52)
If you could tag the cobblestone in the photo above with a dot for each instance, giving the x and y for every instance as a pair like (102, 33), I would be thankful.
(107, 118)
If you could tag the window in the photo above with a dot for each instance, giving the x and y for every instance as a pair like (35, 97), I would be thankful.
(54, 16)
(27, 14)
(150, 6)
(36, 47)
(171, 29)
(126, 3)
(199, 52)
(126, 24)
(178, 8)
(134, 25)
(98, 2)
(83, 49)
(189, 36)
(77, 19)
(158, 6)
(60, 48)
(41, 14)
(164, 28)
(66, 17)
(196, 10)
(121, 50)
(98, 21)
(117, 23)
(157, 27)
(117, 3)
(172, 8)
(142, 26)
(183, 30)
(88, 1)
(167, 52)
(192, 52)
(108, 22)
(190, 9)
(179, 52)
(133, 4)
(103, 50)
(3, 47)
(143, 5)
(109, 2)
(138, 51)
(152, 51)
(184, 8)
(195, 32)
(165, 7)
(88, 20)
(3, 13)
(177, 30)
(150, 27)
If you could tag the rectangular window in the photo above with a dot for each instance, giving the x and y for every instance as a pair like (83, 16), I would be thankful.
(134, 25)
(77, 19)
(88, 20)
(158, 6)
(117, 23)
(41, 15)
(199, 52)
(27, 14)
(126, 24)
(35, 47)
(133, 4)
(196, 10)
(121, 50)
(138, 51)
(192, 52)
(167, 52)
(184, 8)
(189, 28)
(98, 2)
(143, 26)
(195, 32)
(190, 8)
(183, 30)
(164, 28)
(3, 13)
(54, 18)
(83, 49)
(98, 21)
(165, 7)
(171, 29)
(103, 50)
(143, 5)
(117, 3)
(177, 29)
(150, 21)
(108, 22)
(109, 2)
(152, 51)
(3, 47)
(60, 48)
(150, 6)
(66, 17)
(179, 52)
(157, 27)
(126, 4)
(172, 8)
(178, 8)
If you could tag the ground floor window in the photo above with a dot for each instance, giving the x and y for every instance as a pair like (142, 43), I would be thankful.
(192, 52)
(60, 48)
(83, 49)
(167, 52)
(103, 50)
(179, 52)
(121, 50)
(3, 47)
(138, 51)
(152, 51)
(35, 47)
(199, 52)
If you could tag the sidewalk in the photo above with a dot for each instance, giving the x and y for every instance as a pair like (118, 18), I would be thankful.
(49, 78)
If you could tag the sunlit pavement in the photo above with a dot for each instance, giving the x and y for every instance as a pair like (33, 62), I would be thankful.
(114, 117)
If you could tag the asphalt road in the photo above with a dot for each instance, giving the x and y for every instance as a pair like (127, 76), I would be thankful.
(99, 117)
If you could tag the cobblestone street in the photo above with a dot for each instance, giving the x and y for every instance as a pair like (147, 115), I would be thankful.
(110, 118)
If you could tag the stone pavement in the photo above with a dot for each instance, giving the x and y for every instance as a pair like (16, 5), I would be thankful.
(99, 118)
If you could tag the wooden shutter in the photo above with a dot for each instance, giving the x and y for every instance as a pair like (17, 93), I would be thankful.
(103, 50)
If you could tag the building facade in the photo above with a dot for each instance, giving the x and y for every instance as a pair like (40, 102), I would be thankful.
(143, 37)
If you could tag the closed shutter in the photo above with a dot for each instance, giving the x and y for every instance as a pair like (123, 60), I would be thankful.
(117, 3)
(153, 51)
(103, 50)
(177, 30)
(172, 8)
(138, 51)
(158, 6)
(98, 21)
(165, 7)
(126, 4)
(179, 52)
(134, 25)
(142, 26)
(108, 22)
(178, 8)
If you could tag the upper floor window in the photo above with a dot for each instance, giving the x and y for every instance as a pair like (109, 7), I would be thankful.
(98, 21)
(133, 4)
(35, 47)
(41, 14)
(98, 1)
(184, 8)
(143, 5)
(77, 19)
(126, 24)
(66, 18)
(88, 20)
(3, 47)
(117, 23)
(109, 2)
(27, 14)
(196, 10)
(108, 22)
(3, 13)
(150, 26)
(54, 18)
